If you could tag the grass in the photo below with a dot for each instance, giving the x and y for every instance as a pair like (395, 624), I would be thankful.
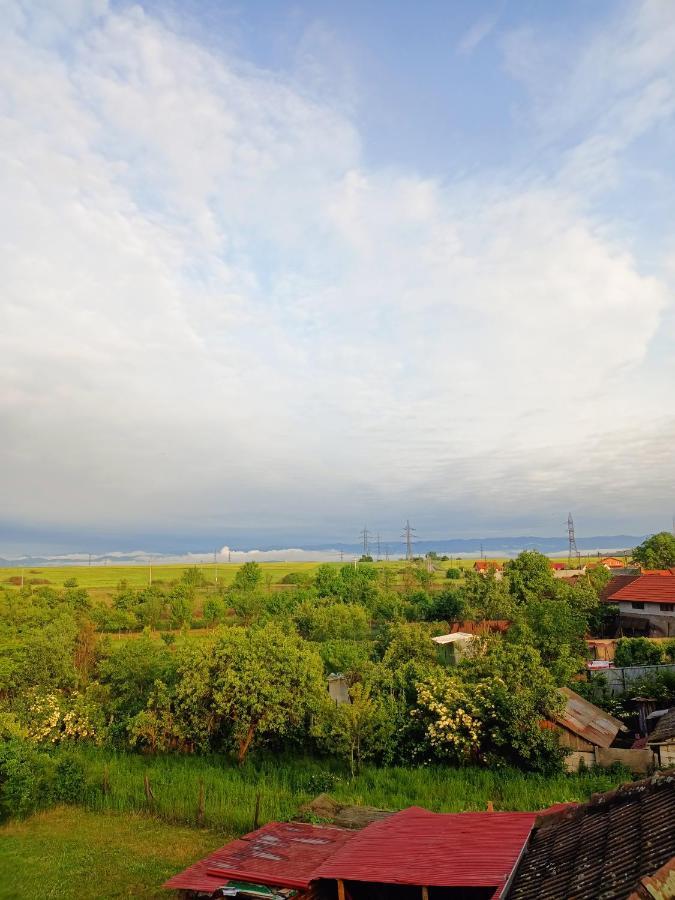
(284, 784)
(71, 852)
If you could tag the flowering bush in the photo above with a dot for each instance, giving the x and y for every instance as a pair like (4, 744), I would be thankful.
(54, 718)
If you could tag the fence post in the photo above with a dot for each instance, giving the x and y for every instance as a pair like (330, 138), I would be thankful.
(200, 804)
(149, 796)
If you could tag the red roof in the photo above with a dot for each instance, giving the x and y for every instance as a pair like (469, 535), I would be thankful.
(418, 847)
(662, 572)
(647, 589)
(284, 854)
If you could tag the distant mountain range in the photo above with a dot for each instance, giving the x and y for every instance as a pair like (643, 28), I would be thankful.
(493, 546)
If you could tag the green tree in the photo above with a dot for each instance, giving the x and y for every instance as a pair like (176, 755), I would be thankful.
(638, 652)
(657, 551)
(488, 597)
(249, 577)
(359, 730)
(530, 576)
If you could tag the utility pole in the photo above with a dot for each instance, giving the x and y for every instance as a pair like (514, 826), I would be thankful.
(408, 537)
(150, 568)
(572, 541)
(364, 534)
(90, 559)
(215, 565)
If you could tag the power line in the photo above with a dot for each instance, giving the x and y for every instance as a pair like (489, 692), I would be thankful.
(408, 537)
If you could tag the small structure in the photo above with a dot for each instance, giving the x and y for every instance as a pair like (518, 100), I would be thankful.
(583, 728)
(662, 739)
(613, 562)
(416, 854)
(646, 606)
(281, 855)
(618, 846)
(454, 646)
(338, 689)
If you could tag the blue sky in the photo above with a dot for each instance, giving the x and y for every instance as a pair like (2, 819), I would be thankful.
(272, 269)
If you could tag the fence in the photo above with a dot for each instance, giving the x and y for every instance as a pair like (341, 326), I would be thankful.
(619, 680)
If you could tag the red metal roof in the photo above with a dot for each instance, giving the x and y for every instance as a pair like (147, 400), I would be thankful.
(647, 589)
(283, 854)
(418, 847)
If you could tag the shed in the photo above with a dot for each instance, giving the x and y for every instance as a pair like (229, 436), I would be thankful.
(662, 739)
(454, 646)
(583, 727)
(416, 853)
(338, 689)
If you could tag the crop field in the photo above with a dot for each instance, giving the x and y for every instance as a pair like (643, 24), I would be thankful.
(70, 852)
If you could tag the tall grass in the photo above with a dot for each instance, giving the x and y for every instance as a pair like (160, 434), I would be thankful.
(116, 781)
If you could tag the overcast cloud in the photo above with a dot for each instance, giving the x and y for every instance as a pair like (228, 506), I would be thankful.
(220, 314)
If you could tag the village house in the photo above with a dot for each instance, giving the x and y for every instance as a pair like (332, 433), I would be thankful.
(483, 566)
(618, 846)
(646, 606)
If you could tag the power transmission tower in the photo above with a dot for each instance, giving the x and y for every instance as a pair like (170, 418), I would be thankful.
(379, 551)
(573, 552)
(386, 552)
(364, 534)
(342, 555)
(408, 537)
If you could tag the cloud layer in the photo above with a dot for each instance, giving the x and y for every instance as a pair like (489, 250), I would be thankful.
(216, 315)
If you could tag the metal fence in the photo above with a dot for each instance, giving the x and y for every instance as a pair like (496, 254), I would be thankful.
(620, 679)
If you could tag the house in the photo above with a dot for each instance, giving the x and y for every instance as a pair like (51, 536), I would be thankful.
(455, 646)
(613, 562)
(558, 566)
(646, 606)
(618, 846)
(662, 739)
(483, 566)
(484, 626)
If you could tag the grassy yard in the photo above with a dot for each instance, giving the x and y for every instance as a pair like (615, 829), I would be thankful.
(284, 784)
(69, 852)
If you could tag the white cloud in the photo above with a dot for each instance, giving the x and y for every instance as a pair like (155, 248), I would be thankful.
(215, 313)
(476, 34)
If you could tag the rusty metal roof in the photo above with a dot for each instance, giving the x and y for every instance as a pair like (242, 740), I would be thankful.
(283, 854)
(588, 721)
(418, 847)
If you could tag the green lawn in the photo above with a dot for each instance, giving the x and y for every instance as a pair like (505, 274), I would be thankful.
(72, 853)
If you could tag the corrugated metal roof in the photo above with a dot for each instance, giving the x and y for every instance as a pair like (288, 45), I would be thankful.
(588, 721)
(647, 589)
(283, 854)
(418, 847)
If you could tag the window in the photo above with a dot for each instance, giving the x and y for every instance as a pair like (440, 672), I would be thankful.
(667, 607)
(638, 605)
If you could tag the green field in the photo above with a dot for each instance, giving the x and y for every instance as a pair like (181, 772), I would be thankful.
(69, 852)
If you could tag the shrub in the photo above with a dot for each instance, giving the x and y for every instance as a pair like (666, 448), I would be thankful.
(637, 652)
(453, 573)
(69, 780)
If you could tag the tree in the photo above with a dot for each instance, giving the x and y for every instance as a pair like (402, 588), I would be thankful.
(358, 730)
(657, 552)
(530, 576)
(248, 578)
(490, 709)
(488, 596)
(638, 652)
(264, 682)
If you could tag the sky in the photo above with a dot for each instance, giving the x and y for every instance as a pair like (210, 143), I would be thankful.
(273, 270)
